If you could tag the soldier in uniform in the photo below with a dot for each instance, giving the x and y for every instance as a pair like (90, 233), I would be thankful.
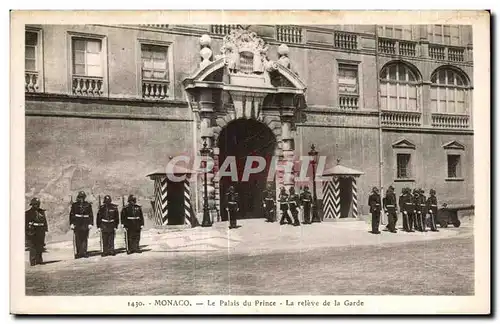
(232, 206)
(107, 222)
(423, 209)
(374, 203)
(36, 227)
(432, 209)
(81, 220)
(133, 221)
(415, 205)
(390, 207)
(283, 198)
(269, 205)
(406, 208)
(305, 201)
(294, 204)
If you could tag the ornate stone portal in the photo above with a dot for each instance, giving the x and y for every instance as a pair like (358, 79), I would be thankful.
(243, 83)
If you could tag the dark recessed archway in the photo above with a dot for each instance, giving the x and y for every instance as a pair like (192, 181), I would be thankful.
(241, 138)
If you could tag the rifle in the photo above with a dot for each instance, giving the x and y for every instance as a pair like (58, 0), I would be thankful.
(125, 229)
(74, 235)
(100, 232)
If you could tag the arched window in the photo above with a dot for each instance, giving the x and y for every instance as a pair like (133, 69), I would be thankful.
(399, 88)
(449, 92)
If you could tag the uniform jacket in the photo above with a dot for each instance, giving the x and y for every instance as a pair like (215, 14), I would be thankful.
(283, 198)
(36, 221)
(108, 217)
(432, 204)
(419, 203)
(390, 203)
(232, 201)
(374, 203)
(294, 201)
(268, 199)
(422, 201)
(406, 203)
(305, 198)
(132, 217)
(81, 215)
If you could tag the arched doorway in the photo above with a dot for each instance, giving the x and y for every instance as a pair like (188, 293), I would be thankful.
(242, 138)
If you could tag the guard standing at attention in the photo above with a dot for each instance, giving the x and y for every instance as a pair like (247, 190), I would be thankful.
(283, 198)
(107, 222)
(232, 206)
(36, 227)
(294, 203)
(81, 220)
(269, 205)
(406, 207)
(305, 201)
(416, 204)
(390, 206)
(432, 208)
(422, 200)
(133, 221)
(374, 203)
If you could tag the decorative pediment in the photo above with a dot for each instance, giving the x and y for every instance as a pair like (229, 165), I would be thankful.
(403, 144)
(453, 145)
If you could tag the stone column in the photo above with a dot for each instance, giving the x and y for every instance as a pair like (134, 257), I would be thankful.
(425, 104)
(288, 149)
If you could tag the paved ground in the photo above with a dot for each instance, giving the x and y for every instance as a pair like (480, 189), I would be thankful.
(261, 258)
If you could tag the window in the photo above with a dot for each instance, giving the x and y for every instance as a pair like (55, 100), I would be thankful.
(154, 62)
(398, 88)
(348, 79)
(445, 34)
(404, 167)
(31, 49)
(448, 92)
(454, 166)
(87, 59)
(396, 31)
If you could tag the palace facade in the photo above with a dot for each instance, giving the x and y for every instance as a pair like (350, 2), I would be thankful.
(107, 106)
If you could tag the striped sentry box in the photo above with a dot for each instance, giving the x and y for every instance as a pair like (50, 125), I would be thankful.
(354, 198)
(160, 210)
(328, 211)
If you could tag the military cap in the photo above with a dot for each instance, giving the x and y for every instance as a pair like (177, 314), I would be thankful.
(131, 198)
(306, 187)
(81, 194)
(107, 198)
(35, 201)
(432, 192)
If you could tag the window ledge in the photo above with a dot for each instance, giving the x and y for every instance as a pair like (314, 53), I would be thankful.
(404, 180)
(454, 179)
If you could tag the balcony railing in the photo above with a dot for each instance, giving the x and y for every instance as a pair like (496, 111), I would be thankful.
(345, 40)
(437, 52)
(159, 26)
(455, 54)
(222, 29)
(407, 48)
(154, 89)
(450, 121)
(88, 86)
(289, 34)
(397, 47)
(348, 101)
(401, 118)
(387, 46)
(31, 81)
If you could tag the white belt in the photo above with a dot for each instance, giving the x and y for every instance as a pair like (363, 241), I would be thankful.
(37, 224)
(422, 205)
(231, 203)
(108, 221)
(132, 217)
(408, 203)
(434, 205)
(389, 205)
(306, 200)
(269, 199)
(84, 216)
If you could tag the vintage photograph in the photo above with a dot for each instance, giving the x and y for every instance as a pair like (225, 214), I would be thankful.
(249, 159)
